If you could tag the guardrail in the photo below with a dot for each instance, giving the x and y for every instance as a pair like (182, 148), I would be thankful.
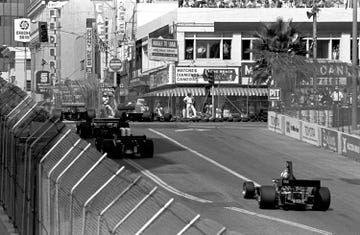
(345, 144)
(53, 182)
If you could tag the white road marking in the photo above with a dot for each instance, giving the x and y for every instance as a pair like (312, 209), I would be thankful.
(302, 226)
(205, 158)
(191, 129)
(171, 189)
(163, 184)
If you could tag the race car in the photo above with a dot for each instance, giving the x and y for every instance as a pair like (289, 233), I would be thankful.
(289, 193)
(113, 136)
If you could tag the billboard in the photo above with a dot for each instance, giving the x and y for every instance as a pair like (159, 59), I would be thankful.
(276, 122)
(350, 146)
(22, 30)
(194, 75)
(163, 49)
(329, 139)
(310, 133)
(292, 127)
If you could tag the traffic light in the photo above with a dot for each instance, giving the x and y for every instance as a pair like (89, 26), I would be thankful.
(211, 77)
(43, 32)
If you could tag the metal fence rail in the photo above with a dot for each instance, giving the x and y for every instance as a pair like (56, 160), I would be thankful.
(53, 182)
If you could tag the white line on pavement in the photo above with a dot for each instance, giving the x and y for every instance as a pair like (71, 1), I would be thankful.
(302, 226)
(163, 184)
(205, 158)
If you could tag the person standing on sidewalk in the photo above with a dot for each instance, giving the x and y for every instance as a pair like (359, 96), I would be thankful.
(189, 101)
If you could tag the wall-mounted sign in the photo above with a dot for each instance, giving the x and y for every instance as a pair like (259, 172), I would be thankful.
(22, 30)
(42, 81)
(163, 49)
(274, 94)
(89, 50)
(194, 75)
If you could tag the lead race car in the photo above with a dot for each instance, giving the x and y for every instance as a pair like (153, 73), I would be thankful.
(289, 192)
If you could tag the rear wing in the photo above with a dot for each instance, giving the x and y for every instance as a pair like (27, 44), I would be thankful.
(106, 120)
(302, 183)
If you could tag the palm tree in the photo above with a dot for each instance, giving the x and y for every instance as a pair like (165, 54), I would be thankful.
(281, 59)
(277, 42)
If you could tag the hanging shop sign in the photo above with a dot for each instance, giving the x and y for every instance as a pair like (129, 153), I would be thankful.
(89, 50)
(163, 49)
(100, 21)
(22, 30)
(43, 82)
(194, 75)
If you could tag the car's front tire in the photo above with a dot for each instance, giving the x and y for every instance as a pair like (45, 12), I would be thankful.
(267, 197)
(248, 189)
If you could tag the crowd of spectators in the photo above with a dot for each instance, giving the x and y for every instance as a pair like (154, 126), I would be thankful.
(259, 3)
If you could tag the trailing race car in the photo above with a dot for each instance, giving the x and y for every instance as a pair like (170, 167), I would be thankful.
(113, 136)
(291, 192)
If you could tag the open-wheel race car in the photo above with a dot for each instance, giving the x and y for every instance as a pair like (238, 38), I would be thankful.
(289, 193)
(113, 136)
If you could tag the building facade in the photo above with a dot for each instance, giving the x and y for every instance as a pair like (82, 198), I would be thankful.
(219, 39)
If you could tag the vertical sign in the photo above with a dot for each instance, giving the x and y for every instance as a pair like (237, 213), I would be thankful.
(329, 139)
(100, 22)
(22, 30)
(89, 46)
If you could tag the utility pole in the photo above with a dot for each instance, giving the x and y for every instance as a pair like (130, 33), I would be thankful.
(115, 37)
(354, 65)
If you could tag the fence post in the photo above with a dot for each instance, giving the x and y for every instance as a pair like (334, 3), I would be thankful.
(114, 201)
(95, 194)
(77, 184)
(41, 175)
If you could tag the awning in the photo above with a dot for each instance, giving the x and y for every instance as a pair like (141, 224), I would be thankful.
(200, 91)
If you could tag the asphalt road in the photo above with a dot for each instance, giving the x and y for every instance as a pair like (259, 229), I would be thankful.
(205, 164)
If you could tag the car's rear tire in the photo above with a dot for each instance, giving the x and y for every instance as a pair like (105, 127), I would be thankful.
(248, 189)
(322, 199)
(147, 149)
(267, 197)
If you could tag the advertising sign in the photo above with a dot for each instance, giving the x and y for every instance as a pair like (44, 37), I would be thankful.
(310, 133)
(115, 64)
(159, 78)
(350, 146)
(43, 82)
(100, 21)
(292, 127)
(22, 30)
(194, 75)
(246, 73)
(276, 122)
(163, 49)
(329, 139)
(89, 50)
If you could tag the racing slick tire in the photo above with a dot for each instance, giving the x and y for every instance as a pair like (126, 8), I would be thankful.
(84, 130)
(167, 117)
(147, 116)
(147, 149)
(322, 199)
(248, 189)
(111, 150)
(267, 197)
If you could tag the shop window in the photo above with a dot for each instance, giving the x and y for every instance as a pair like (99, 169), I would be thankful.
(52, 52)
(189, 49)
(226, 49)
(209, 49)
(245, 53)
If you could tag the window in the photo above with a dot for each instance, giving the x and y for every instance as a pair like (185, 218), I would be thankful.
(323, 49)
(227, 49)
(0, 19)
(52, 26)
(209, 49)
(206, 46)
(189, 49)
(246, 45)
(335, 51)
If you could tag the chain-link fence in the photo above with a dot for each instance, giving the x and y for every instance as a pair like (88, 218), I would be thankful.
(53, 182)
(315, 91)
